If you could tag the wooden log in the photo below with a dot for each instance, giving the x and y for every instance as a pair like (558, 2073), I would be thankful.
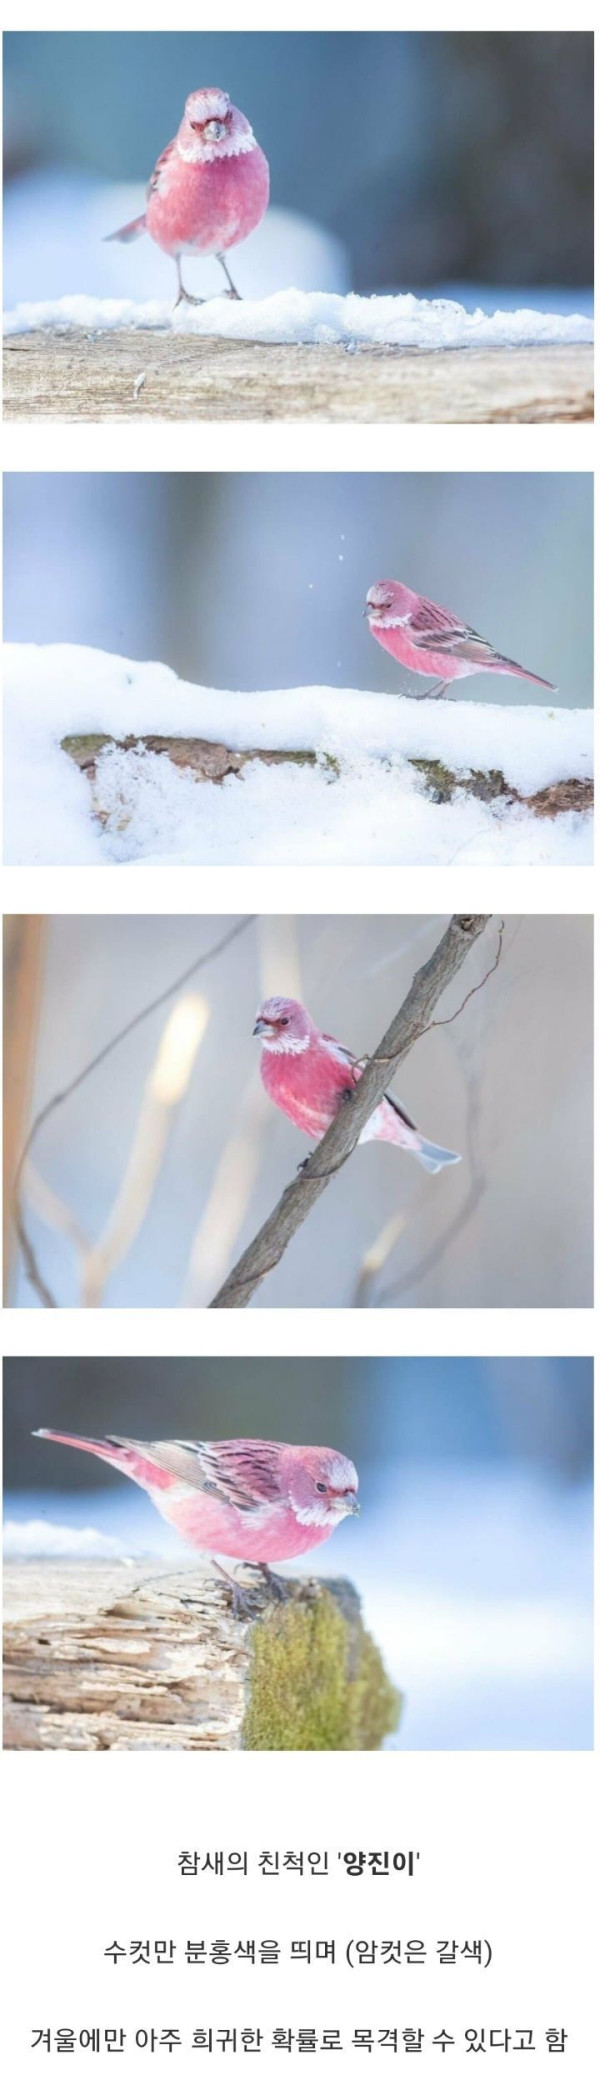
(69, 375)
(98, 1656)
(213, 762)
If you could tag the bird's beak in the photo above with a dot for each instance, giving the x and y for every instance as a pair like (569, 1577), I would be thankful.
(367, 609)
(354, 1506)
(260, 1027)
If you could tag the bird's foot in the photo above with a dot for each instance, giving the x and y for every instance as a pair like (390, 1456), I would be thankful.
(187, 298)
(231, 290)
(303, 1166)
(233, 294)
(277, 1588)
(243, 1600)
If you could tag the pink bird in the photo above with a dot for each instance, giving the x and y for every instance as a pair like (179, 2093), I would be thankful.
(308, 1074)
(257, 1500)
(432, 641)
(209, 189)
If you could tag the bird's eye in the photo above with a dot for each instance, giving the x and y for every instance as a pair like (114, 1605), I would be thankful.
(284, 1022)
(321, 1487)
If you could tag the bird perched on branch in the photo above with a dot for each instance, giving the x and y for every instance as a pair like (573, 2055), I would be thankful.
(256, 1500)
(425, 638)
(308, 1074)
(209, 189)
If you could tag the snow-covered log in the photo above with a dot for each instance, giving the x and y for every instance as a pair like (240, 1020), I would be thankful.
(298, 355)
(99, 1656)
(109, 760)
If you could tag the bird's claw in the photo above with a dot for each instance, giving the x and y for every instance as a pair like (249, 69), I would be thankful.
(243, 1602)
(276, 1588)
(302, 1166)
(187, 298)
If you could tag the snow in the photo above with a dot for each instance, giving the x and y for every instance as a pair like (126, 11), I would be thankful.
(367, 806)
(397, 321)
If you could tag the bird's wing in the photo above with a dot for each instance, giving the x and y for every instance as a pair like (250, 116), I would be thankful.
(341, 1054)
(239, 1472)
(432, 627)
(162, 163)
(400, 1110)
(357, 1064)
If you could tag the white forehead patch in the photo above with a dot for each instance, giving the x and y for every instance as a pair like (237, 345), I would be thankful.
(207, 102)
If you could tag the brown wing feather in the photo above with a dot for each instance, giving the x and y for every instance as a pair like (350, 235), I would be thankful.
(449, 638)
(358, 1065)
(240, 1472)
(158, 170)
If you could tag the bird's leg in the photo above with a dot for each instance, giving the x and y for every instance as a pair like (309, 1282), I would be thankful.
(232, 293)
(277, 1588)
(435, 690)
(183, 296)
(243, 1603)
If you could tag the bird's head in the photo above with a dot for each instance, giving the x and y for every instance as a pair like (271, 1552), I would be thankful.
(214, 125)
(284, 1026)
(388, 603)
(322, 1485)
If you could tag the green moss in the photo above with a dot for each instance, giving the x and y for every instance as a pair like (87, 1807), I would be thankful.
(318, 1683)
(84, 749)
(442, 783)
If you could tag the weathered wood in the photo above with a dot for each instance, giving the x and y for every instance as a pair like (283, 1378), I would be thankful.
(68, 375)
(212, 762)
(99, 1656)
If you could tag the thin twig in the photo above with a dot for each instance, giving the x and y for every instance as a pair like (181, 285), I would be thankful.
(337, 1145)
(31, 1264)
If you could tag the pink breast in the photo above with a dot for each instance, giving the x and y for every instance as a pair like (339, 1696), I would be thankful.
(208, 206)
(263, 1538)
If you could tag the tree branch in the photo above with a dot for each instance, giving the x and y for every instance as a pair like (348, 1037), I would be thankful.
(411, 1021)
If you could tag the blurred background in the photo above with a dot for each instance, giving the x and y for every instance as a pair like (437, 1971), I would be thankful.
(147, 1183)
(256, 581)
(429, 162)
(473, 1552)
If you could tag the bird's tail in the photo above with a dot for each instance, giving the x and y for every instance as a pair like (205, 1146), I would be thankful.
(514, 669)
(129, 232)
(433, 1158)
(107, 1451)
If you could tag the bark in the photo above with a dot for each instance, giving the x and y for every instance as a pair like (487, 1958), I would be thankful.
(338, 1144)
(69, 375)
(214, 761)
(99, 1657)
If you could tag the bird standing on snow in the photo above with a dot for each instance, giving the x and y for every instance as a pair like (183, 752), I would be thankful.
(256, 1500)
(432, 641)
(309, 1074)
(209, 189)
